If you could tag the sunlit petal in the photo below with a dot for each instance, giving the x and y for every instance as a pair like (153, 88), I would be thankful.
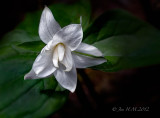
(48, 26)
(89, 49)
(43, 65)
(70, 35)
(67, 80)
(82, 61)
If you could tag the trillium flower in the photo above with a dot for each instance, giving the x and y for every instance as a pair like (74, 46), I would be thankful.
(63, 53)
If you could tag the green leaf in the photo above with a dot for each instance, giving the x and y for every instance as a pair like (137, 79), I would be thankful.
(30, 46)
(18, 50)
(26, 98)
(16, 37)
(125, 41)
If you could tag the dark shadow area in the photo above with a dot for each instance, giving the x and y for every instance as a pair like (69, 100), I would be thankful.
(134, 91)
(53, 93)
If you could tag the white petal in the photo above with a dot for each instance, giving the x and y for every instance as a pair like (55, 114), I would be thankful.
(82, 61)
(67, 60)
(31, 75)
(55, 57)
(89, 49)
(67, 80)
(61, 51)
(48, 26)
(70, 35)
(43, 65)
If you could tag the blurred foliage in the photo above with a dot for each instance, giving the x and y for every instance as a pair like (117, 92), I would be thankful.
(126, 42)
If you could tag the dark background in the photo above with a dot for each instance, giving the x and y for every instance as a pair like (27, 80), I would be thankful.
(13, 11)
(99, 92)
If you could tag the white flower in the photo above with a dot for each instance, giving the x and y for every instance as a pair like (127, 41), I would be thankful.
(63, 52)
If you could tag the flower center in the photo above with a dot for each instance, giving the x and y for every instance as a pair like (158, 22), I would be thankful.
(58, 54)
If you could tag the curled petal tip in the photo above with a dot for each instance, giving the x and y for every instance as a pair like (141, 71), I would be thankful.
(73, 90)
(27, 77)
(45, 7)
(100, 54)
(30, 75)
(103, 59)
